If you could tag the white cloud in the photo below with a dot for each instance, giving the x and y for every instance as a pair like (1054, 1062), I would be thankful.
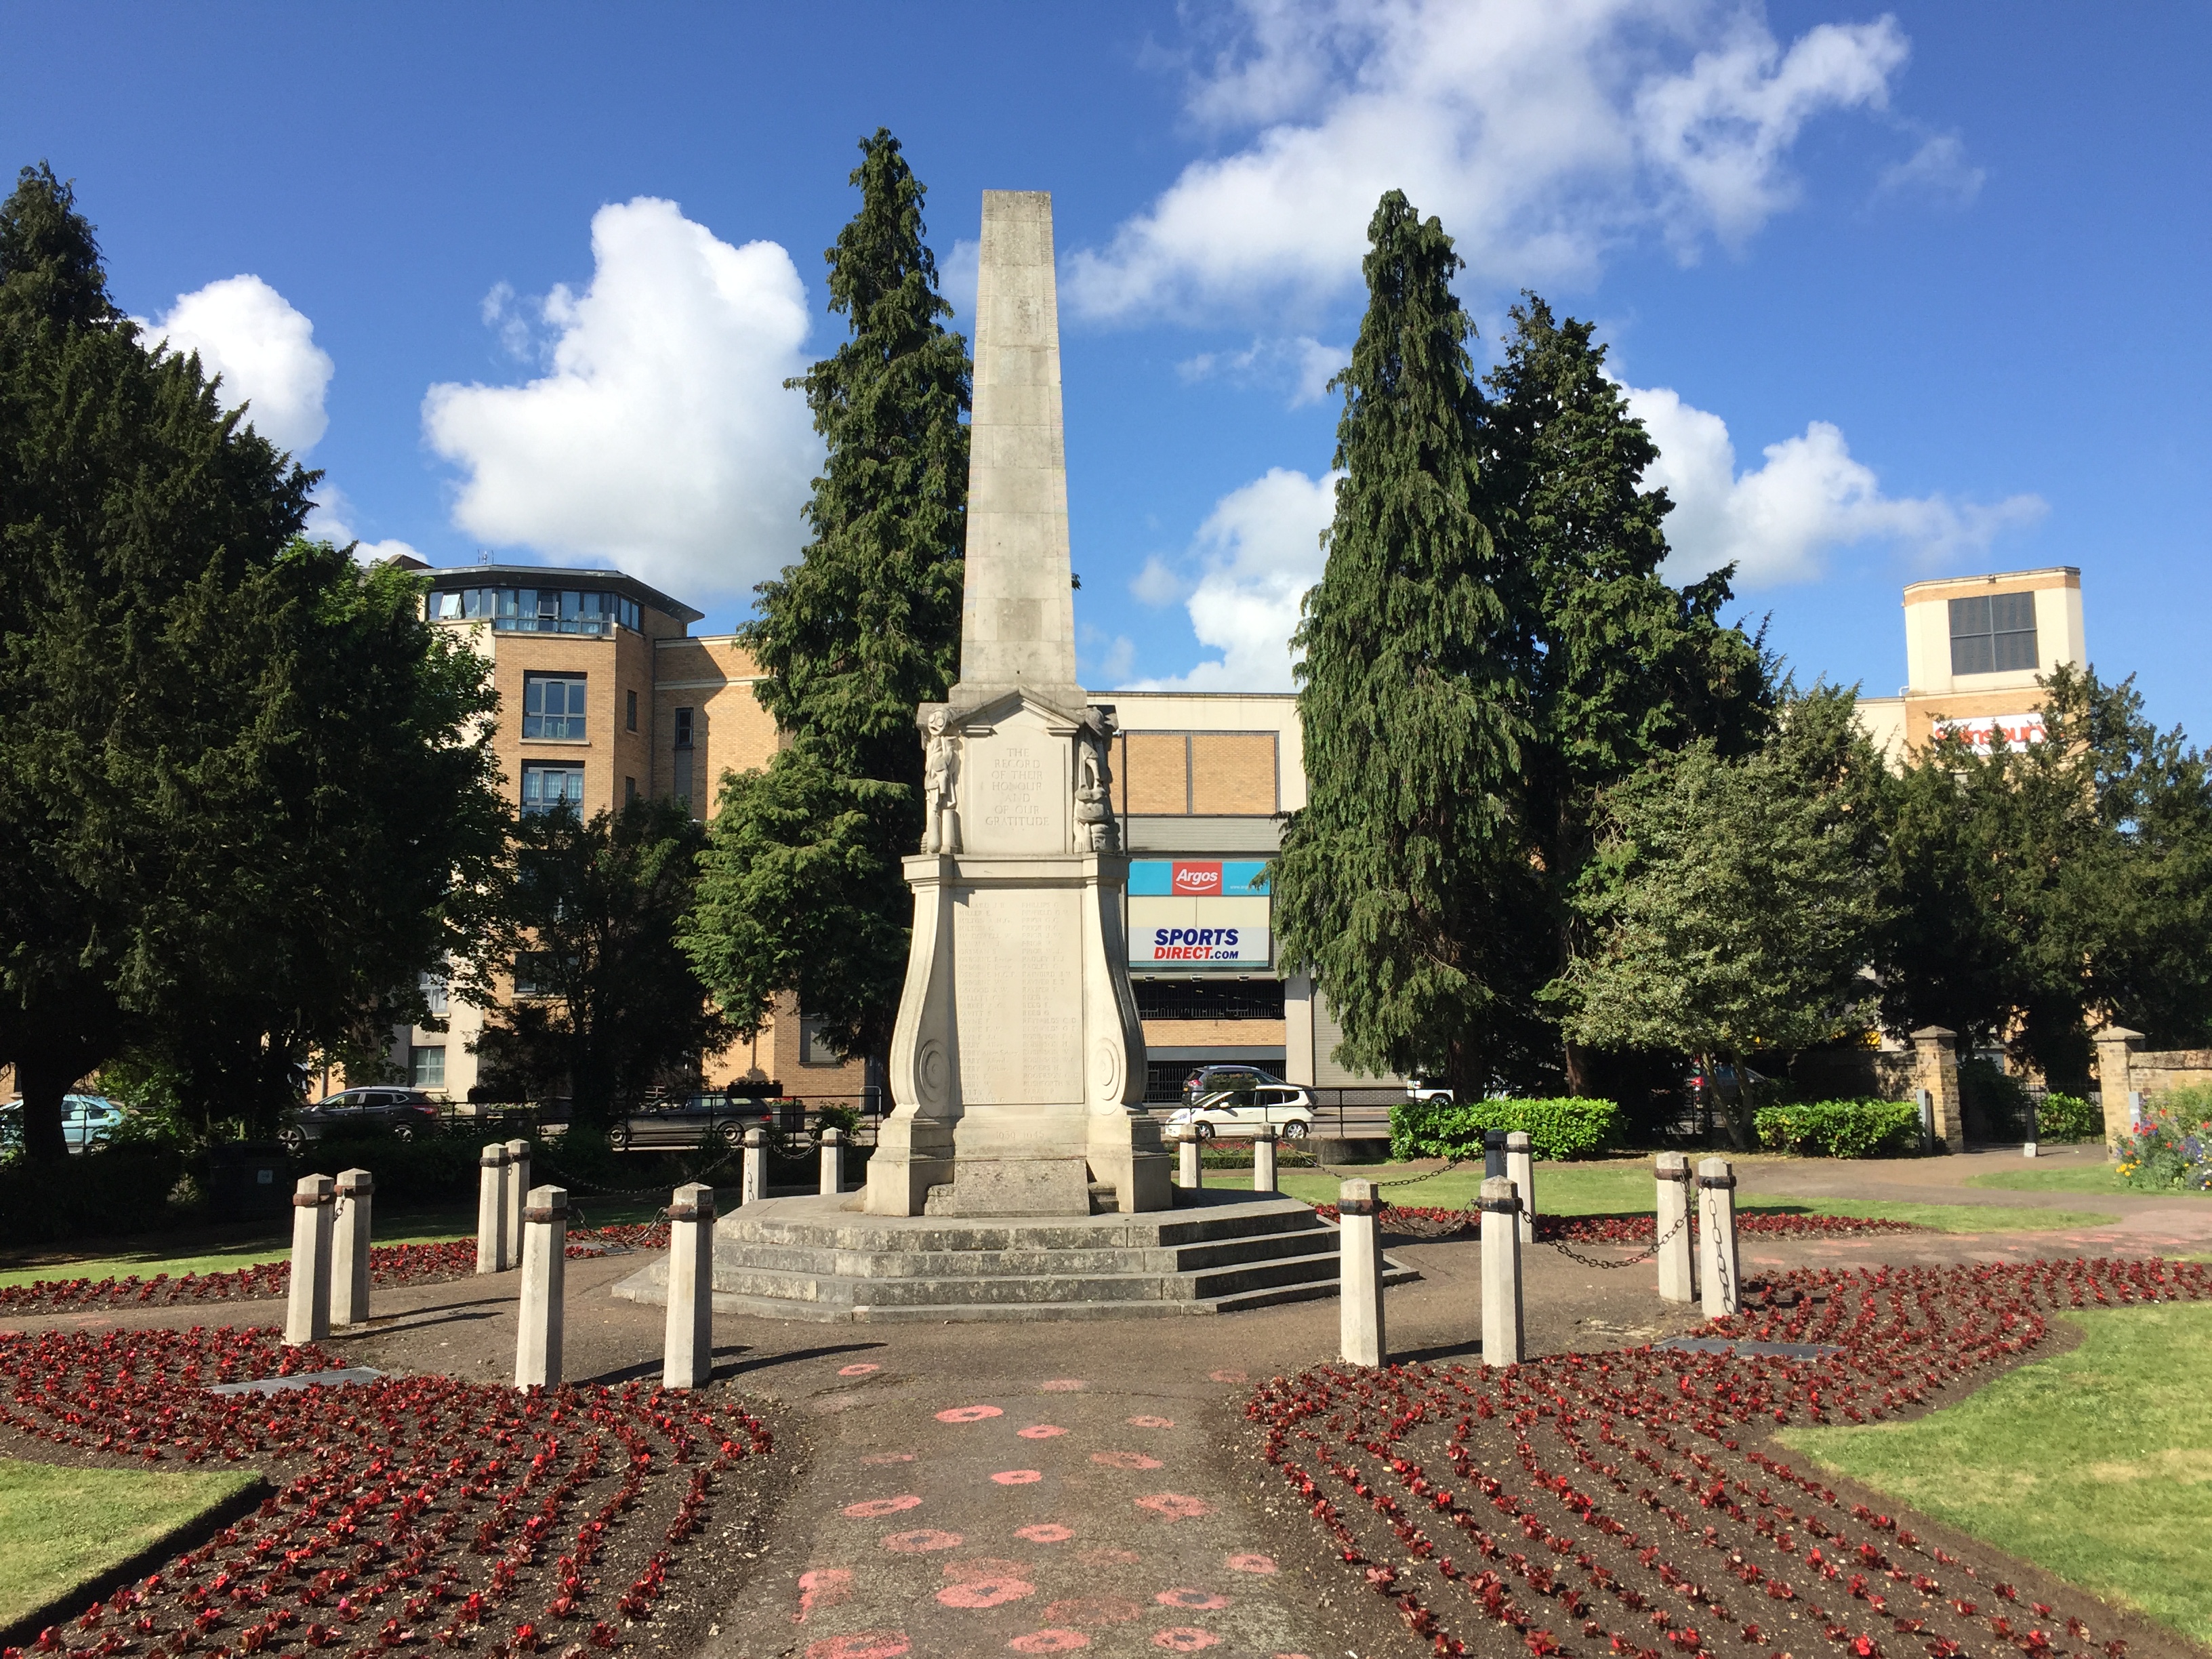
(1776, 522)
(956, 281)
(661, 438)
(247, 333)
(1106, 658)
(1938, 168)
(1259, 550)
(1158, 583)
(333, 521)
(1542, 132)
(1303, 362)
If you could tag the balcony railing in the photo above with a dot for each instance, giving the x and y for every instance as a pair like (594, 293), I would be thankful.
(552, 624)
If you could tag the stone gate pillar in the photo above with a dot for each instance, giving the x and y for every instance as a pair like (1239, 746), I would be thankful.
(1935, 1059)
(2116, 1047)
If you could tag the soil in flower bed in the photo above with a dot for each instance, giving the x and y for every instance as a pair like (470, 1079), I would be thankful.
(390, 1266)
(1422, 1221)
(1629, 1504)
(411, 1513)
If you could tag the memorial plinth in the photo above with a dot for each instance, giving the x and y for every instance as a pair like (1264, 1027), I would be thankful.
(1018, 1063)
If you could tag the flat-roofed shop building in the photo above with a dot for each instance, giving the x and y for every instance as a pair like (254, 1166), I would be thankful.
(605, 696)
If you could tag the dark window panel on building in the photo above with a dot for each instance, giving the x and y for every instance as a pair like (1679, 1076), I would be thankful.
(631, 717)
(553, 706)
(1213, 999)
(1993, 633)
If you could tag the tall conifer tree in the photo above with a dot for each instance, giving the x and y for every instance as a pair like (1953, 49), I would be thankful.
(1622, 667)
(801, 888)
(1412, 712)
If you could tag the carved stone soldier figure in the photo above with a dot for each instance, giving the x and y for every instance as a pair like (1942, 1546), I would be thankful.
(940, 780)
(1094, 783)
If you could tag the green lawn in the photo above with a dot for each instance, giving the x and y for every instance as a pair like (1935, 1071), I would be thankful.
(416, 1228)
(1622, 1186)
(2084, 1175)
(2094, 1465)
(60, 1527)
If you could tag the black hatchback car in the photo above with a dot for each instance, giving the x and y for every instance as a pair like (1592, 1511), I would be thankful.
(405, 1113)
(688, 1121)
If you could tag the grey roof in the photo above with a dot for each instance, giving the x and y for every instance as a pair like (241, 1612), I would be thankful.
(553, 576)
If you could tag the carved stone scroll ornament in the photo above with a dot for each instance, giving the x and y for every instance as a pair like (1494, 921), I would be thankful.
(940, 784)
(1094, 828)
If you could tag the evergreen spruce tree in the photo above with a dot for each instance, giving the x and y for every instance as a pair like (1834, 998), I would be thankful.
(1412, 712)
(801, 888)
(1621, 666)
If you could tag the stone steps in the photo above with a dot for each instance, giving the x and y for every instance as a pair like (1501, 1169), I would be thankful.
(813, 1259)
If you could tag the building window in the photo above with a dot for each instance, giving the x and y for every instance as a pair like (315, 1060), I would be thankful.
(1993, 633)
(684, 756)
(435, 995)
(553, 706)
(1220, 998)
(813, 1050)
(558, 788)
(426, 1067)
(682, 728)
(629, 792)
(534, 973)
(633, 711)
(538, 610)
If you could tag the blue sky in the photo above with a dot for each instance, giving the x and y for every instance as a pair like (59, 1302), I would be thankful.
(1903, 294)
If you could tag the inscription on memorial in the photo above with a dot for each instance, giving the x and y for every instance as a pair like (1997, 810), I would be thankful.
(1017, 803)
(1018, 989)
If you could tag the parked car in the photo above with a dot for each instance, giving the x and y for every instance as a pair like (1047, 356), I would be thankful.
(690, 1120)
(1722, 1083)
(1212, 1080)
(406, 1112)
(88, 1123)
(1428, 1093)
(1236, 1113)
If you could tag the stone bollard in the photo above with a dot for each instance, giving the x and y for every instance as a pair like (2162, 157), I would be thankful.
(1677, 1283)
(1359, 1269)
(688, 1357)
(833, 1163)
(308, 1309)
(544, 1279)
(516, 1185)
(1520, 1170)
(1493, 1154)
(1190, 1175)
(349, 1250)
(754, 1187)
(1716, 1258)
(1504, 1340)
(1263, 1158)
(491, 1209)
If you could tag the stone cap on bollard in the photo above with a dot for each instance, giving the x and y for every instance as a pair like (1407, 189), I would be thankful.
(1498, 1194)
(1264, 1132)
(1357, 1198)
(693, 1201)
(313, 1190)
(756, 1136)
(517, 1151)
(546, 1203)
(1715, 1172)
(493, 1157)
(832, 1135)
(1673, 1166)
(355, 1183)
(1517, 1140)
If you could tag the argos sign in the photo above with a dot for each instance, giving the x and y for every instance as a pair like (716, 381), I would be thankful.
(1190, 880)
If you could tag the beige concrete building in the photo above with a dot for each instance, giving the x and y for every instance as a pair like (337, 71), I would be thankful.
(1974, 647)
(605, 696)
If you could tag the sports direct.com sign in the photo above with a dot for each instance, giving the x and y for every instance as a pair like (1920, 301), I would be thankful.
(1199, 910)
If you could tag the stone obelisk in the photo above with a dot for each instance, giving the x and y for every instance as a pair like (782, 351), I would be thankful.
(1018, 1063)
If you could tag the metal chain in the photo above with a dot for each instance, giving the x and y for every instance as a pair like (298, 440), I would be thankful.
(576, 1184)
(1382, 1185)
(1574, 1255)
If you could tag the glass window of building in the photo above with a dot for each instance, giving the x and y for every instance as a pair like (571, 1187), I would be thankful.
(435, 995)
(1993, 633)
(631, 717)
(426, 1067)
(813, 1050)
(553, 788)
(553, 706)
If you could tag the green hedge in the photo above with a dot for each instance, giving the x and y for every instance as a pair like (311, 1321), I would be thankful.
(121, 1189)
(2063, 1118)
(1556, 1128)
(1841, 1128)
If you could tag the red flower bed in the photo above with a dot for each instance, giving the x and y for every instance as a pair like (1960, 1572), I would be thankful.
(1426, 1221)
(1604, 1504)
(389, 1267)
(408, 1510)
